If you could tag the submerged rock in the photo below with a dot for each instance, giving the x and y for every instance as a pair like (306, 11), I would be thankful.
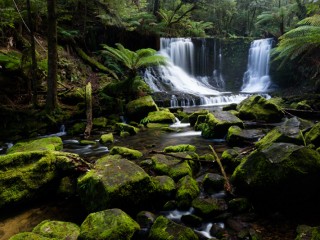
(259, 109)
(164, 229)
(280, 176)
(58, 229)
(41, 144)
(218, 123)
(115, 182)
(110, 224)
(139, 108)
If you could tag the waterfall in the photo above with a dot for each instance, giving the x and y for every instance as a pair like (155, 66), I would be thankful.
(256, 78)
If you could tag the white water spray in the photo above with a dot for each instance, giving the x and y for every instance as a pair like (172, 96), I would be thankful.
(256, 78)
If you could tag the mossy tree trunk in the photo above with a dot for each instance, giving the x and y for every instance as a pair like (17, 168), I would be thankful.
(87, 131)
(52, 99)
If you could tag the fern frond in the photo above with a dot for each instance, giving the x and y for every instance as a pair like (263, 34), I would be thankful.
(313, 20)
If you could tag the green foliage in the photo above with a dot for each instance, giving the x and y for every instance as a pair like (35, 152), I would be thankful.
(300, 42)
(10, 61)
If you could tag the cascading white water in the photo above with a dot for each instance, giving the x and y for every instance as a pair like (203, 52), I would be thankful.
(256, 78)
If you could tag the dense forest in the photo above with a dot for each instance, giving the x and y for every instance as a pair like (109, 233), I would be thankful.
(81, 127)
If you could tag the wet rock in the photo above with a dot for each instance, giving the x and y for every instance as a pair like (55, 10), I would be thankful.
(291, 131)
(164, 229)
(239, 205)
(146, 219)
(77, 128)
(110, 224)
(164, 116)
(123, 127)
(180, 148)
(26, 176)
(139, 108)
(209, 207)
(259, 109)
(200, 122)
(164, 186)
(58, 229)
(126, 152)
(194, 116)
(49, 143)
(237, 136)
(231, 158)
(218, 230)
(192, 220)
(313, 136)
(280, 176)
(100, 122)
(115, 182)
(29, 236)
(213, 182)
(187, 190)
(171, 166)
(218, 123)
(106, 138)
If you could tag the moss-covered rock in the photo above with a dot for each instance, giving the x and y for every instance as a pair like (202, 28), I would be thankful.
(145, 219)
(26, 176)
(140, 108)
(57, 229)
(258, 108)
(180, 148)
(173, 167)
(30, 236)
(126, 152)
(200, 122)
(307, 233)
(218, 123)
(164, 186)
(123, 127)
(106, 138)
(313, 136)
(164, 229)
(187, 190)
(85, 142)
(291, 131)
(115, 182)
(231, 158)
(237, 136)
(194, 116)
(239, 205)
(110, 224)
(209, 207)
(77, 128)
(100, 122)
(49, 143)
(281, 175)
(160, 117)
(213, 182)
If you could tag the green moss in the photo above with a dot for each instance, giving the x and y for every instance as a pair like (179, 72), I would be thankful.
(188, 190)
(208, 206)
(123, 127)
(77, 128)
(87, 142)
(50, 143)
(126, 152)
(106, 138)
(180, 148)
(139, 108)
(111, 224)
(124, 134)
(100, 122)
(161, 117)
(165, 229)
(313, 136)
(306, 232)
(194, 116)
(164, 184)
(58, 229)
(30, 236)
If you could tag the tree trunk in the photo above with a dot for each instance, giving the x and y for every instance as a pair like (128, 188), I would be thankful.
(52, 100)
(87, 131)
(34, 80)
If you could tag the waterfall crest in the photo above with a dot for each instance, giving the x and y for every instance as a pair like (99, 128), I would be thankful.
(256, 78)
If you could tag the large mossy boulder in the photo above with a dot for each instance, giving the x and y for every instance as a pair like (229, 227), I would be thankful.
(110, 224)
(194, 116)
(30, 236)
(257, 108)
(313, 136)
(124, 127)
(27, 176)
(115, 182)
(163, 116)
(218, 123)
(209, 207)
(290, 131)
(280, 176)
(58, 229)
(139, 108)
(106, 138)
(237, 136)
(41, 144)
(171, 166)
(164, 229)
